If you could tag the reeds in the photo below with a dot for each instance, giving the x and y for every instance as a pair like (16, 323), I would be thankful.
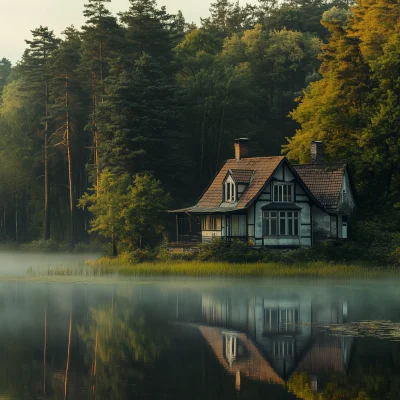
(195, 268)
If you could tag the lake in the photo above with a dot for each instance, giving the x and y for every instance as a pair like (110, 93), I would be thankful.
(180, 338)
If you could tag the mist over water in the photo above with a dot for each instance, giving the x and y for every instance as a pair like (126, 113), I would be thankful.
(182, 338)
(18, 263)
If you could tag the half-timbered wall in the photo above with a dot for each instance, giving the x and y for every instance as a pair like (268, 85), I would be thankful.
(301, 199)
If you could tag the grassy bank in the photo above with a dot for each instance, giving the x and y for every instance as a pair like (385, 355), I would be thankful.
(105, 266)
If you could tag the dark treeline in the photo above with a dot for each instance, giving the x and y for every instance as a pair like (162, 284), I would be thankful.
(144, 91)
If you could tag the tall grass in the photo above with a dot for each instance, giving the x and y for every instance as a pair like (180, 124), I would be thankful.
(197, 268)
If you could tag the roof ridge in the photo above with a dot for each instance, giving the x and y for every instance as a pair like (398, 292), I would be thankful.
(256, 158)
(335, 163)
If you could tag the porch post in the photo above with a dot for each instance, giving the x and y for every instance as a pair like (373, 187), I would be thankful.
(177, 229)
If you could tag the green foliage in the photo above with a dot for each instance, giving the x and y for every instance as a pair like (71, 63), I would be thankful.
(354, 108)
(5, 71)
(136, 120)
(106, 203)
(149, 30)
(129, 213)
(336, 14)
(145, 212)
(148, 93)
(45, 246)
(234, 252)
(120, 341)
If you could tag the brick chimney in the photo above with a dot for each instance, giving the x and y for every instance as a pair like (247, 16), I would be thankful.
(241, 148)
(317, 152)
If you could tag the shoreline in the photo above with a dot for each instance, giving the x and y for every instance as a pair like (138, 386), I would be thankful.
(241, 270)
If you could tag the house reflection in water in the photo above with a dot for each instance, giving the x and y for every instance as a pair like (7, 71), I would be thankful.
(269, 339)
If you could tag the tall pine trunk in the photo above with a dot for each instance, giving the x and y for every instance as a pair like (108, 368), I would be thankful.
(46, 171)
(94, 123)
(69, 158)
(68, 356)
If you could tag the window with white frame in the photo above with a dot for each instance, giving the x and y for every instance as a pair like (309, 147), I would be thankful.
(230, 190)
(281, 223)
(283, 192)
(281, 319)
(211, 223)
(230, 348)
(283, 348)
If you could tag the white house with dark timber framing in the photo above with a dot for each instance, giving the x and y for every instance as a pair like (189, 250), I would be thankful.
(268, 201)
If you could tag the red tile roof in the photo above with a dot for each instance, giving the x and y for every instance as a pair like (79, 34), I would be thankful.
(255, 366)
(241, 175)
(323, 181)
(262, 169)
(326, 355)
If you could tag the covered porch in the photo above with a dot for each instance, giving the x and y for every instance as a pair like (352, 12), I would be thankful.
(202, 226)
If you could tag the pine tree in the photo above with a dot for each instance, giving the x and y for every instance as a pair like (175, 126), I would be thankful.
(101, 42)
(67, 96)
(37, 80)
(217, 23)
(150, 30)
(5, 70)
(138, 119)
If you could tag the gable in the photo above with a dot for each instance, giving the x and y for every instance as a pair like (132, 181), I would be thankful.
(346, 198)
(263, 168)
(285, 172)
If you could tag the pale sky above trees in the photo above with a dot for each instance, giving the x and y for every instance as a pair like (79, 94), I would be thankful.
(18, 17)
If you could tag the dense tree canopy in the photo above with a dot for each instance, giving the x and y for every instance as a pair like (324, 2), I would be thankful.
(354, 108)
(144, 92)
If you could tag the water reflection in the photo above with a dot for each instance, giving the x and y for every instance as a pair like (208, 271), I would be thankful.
(271, 338)
(198, 341)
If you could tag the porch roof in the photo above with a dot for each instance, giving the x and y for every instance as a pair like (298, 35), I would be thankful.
(281, 207)
(204, 210)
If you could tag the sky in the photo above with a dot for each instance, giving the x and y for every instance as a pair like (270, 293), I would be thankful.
(19, 17)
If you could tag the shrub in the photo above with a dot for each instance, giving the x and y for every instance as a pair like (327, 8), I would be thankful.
(141, 255)
(234, 252)
(45, 246)
(176, 254)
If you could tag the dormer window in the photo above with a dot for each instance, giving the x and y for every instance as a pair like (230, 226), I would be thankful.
(283, 192)
(230, 190)
(235, 184)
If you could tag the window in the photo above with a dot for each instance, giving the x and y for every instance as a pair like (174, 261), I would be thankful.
(283, 192)
(230, 348)
(230, 192)
(238, 226)
(281, 223)
(211, 223)
(270, 223)
(281, 319)
(283, 348)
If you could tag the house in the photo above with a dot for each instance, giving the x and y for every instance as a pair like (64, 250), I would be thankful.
(269, 201)
(273, 335)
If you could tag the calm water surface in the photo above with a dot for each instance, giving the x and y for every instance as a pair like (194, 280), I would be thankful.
(114, 338)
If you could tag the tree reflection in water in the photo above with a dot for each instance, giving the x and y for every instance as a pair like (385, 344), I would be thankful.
(122, 342)
(166, 342)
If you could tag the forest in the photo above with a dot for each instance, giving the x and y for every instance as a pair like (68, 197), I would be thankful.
(141, 109)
